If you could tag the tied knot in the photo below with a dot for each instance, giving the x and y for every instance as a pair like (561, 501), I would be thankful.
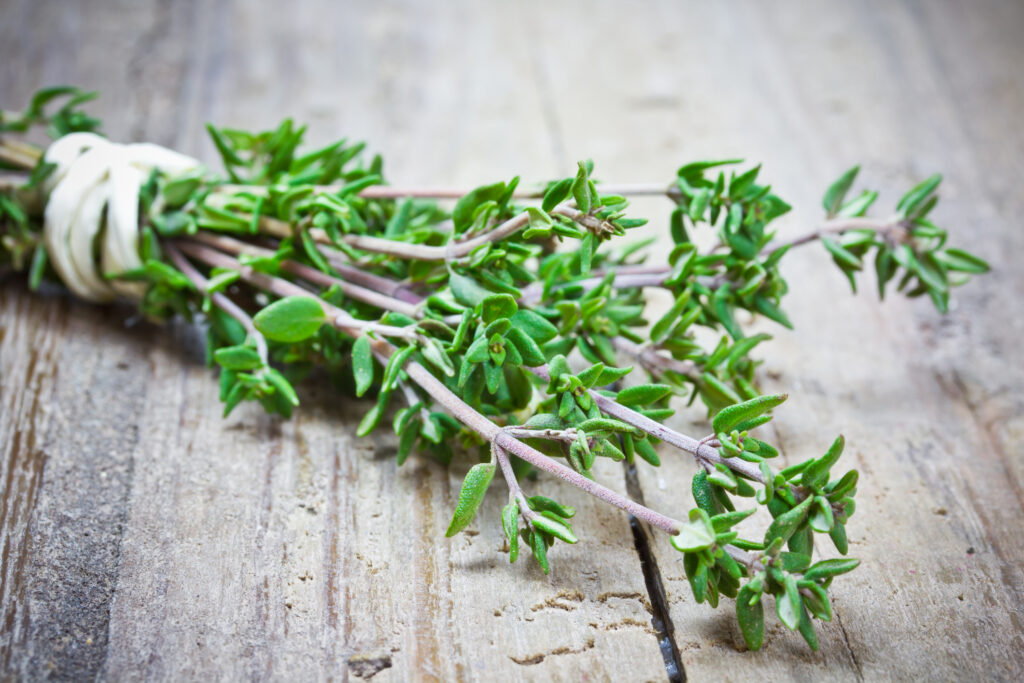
(91, 221)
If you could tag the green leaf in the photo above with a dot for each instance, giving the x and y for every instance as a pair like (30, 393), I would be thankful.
(472, 494)
(962, 261)
(807, 629)
(362, 364)
(826, 569)
(465, 208)
(858, 206)
(842, 255)
(283, 386)
(291, 319)
(816, 474)
(535, 325)
(816, 600)
(556, 194)
(540, 550)
(727, 520)
(788, 604)
(498, 306)
(728, 418)
(38, 267)
(918, 195)
(785, 525)
(836, 193)
(611, 375)
(581, 189)
(531, 353)
(371, 419)
(750, 616)
(722, 305)
(238, 358)
(695, 536)
(821, 515)
(466, 290)
(510, 524)
(723, 478)
(838, 536)
(766, 308)
(599, 424)
(643, 394)
(545, 504)
(554, 528)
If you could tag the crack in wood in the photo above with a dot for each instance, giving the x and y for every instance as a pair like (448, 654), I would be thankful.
(660, 619)
(530, 660)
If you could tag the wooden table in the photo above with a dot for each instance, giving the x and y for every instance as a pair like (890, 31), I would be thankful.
(144, 536)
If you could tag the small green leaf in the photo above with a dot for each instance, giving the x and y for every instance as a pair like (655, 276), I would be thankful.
(532, 354)
(788, 604)
(727, 520)
(498, 306)
(962, 261)
(821, 515)
(540, 550)
(750, 614)
(282, 385)
(543, 503)
(838, 536)
(728, 418)
(643, 394)
(828, 568)
(785, 525)
(371, 419)
(238, 358)
(554, 528)
(918, 195)
(556, 194)
(807, 629)
(535, 325)
(768, 309)
(581, 189)
(465, 208)
(816, 474)
(470, 496)
(836, 193)
(362, 364)
(510, 524)
(816, 600)
(466, 290)
(291, 319)
(696, 536)
(842, 255)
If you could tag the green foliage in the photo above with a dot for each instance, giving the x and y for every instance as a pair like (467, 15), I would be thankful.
(68, 118)
(292, 319)
(472, 494)
(496, 294)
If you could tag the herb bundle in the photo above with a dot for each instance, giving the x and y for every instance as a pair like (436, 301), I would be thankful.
(511, 327)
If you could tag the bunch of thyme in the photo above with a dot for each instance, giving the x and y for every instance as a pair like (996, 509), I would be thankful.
(509, 327)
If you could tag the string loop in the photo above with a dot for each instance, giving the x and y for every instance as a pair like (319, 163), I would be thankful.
(91, 220)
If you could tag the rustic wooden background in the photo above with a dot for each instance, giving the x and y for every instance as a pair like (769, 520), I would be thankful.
(144, 537)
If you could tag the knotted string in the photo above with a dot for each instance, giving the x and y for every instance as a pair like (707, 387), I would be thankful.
(91, 221)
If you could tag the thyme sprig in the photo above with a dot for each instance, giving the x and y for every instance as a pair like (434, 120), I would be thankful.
(501, 325)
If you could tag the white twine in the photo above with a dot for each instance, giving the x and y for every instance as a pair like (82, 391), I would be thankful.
(91, 221)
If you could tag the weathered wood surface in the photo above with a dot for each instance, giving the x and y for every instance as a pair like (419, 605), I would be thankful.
(142, 536)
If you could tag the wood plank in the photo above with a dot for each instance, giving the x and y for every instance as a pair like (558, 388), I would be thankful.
(940, 499)
(271, 549)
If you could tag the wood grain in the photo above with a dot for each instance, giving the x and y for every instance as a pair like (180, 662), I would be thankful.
(144, 537)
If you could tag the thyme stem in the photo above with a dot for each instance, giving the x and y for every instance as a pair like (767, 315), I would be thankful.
(219, 299)
(387, 192)
(455, 405)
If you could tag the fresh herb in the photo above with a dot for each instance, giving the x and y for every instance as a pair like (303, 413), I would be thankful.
(515, 326)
